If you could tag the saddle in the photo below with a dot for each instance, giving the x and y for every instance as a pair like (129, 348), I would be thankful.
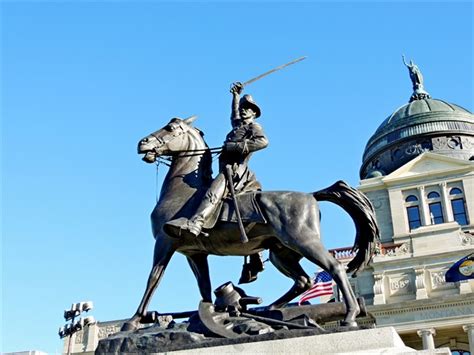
(248, 207)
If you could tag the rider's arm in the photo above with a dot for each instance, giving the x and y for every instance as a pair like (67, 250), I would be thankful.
(236, 89)
(254, 140)
(257, 139)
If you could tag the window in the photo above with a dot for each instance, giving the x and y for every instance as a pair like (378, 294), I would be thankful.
(436, 210)
(436, 213)
(455, 191)
(414, 220)
(459, 211)
(458, 205)
(413, 212)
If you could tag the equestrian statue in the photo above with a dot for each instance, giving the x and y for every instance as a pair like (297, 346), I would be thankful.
(197, 215)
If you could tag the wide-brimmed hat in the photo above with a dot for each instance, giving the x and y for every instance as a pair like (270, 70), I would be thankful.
(248, 101)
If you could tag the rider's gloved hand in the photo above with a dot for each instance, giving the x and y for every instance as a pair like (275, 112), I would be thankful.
(236, 88)
(235, 147)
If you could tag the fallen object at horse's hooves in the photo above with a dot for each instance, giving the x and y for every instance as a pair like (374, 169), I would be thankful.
(227, 321)
(233, 298)
(318, 313)
(228, 317)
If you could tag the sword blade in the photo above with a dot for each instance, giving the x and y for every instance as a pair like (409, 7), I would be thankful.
(272, 71)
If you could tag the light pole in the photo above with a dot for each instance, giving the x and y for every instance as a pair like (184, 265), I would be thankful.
(74, 326)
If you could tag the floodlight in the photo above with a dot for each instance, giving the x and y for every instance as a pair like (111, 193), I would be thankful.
(62, 332)
(89, 320)
(87, 306)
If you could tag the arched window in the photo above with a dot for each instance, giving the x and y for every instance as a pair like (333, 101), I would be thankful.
(433, 194)
(458, 205)
(413, 212)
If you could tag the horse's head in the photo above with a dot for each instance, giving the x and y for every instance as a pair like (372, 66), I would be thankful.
(167, 140)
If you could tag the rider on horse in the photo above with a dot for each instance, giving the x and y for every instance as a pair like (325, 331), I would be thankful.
(246, 137)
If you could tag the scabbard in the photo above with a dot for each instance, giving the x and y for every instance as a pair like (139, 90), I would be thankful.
(230, 181)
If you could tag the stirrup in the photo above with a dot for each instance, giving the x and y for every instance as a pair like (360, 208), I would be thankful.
(195, 228)
(175, 227)
(181, 227)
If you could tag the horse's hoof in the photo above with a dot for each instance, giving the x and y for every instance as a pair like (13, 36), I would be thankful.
(349, 324)
(129, 326)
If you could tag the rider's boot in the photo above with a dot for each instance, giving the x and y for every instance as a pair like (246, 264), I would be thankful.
(204, 211)
(194, 225)
(251, 269)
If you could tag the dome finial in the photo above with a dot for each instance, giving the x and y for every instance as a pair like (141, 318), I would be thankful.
(416, 77)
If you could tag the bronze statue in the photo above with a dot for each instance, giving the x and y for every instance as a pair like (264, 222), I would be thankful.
(246, 137)
(415, 73)
(416, 77)
(285, 223)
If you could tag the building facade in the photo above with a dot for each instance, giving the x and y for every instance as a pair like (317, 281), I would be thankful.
(418, 172)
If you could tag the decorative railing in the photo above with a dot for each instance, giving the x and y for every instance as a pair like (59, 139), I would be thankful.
(342, 253)
(346, 254)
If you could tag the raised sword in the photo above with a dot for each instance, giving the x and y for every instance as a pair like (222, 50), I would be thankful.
(270, 72)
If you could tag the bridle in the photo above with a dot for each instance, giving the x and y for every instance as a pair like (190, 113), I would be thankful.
(178, 130)
(167, 138)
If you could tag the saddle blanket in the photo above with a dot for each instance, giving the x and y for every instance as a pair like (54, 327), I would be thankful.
(248, 207)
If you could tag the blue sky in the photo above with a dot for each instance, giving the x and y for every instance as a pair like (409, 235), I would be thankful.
(82, 82)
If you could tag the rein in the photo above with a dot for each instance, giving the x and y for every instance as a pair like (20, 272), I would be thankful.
(192, 153)
(195, 152)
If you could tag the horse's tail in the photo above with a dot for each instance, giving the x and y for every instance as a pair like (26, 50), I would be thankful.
(358, 206)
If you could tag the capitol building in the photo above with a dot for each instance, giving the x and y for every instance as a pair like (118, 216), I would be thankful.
(418, 172)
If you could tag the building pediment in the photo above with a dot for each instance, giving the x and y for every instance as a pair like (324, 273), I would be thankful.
(429, 165)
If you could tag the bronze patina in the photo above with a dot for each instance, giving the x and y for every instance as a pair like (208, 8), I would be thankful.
(290, 229)
(417, 81)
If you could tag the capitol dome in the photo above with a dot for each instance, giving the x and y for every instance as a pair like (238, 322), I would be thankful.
(424, 124)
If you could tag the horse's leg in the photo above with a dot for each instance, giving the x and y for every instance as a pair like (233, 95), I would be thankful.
(163, 252)
(295, 220)
(315, 252)
(200, 267)
(287, 262)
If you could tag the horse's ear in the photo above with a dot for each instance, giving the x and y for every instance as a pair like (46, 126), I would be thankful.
(190, 120)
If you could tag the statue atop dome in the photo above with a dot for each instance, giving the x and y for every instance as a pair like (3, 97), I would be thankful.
(416, 77)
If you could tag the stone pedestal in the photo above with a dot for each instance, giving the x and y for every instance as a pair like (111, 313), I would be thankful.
(368, 341)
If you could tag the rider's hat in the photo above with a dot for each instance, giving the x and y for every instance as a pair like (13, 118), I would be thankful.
(248, 101)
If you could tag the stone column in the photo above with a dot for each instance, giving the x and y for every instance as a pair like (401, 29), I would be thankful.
(421, 291)
(469, 329)
(425, 213)
(91, 337)
(426, 336)
(379, 289)
(445, 202)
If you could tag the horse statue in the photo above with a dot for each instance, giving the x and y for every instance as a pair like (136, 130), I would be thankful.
(291, 230)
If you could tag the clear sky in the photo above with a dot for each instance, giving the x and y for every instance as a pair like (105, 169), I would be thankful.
(83, 82)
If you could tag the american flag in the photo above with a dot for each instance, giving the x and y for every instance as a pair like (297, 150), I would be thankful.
(322, 286)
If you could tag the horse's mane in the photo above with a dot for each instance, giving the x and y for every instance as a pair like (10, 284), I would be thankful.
(206, 160)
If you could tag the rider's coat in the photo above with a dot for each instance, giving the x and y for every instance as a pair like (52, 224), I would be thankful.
(238, 147)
